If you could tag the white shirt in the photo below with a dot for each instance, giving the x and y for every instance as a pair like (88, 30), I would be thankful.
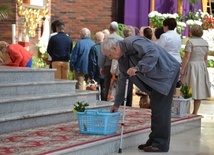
(171, 42)
(52, 34)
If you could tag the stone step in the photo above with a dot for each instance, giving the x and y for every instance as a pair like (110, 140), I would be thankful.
(33, 103)
(36, 88)
(32, 97)
(10, 75)
(30, 119)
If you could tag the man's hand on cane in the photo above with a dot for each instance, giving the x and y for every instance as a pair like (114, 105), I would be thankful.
(131, 71)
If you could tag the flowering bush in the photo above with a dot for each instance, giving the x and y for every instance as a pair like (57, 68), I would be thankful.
(38, 63)
(191, 22)
(180, 27)
(200, 18)
(186, 91)
(156, 20)
(42, 55)
(196, 15)
(207, 23)
(42, 48)
(208, 35)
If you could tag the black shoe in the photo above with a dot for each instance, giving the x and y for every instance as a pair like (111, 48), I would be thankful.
(152, 149)
(142, 146)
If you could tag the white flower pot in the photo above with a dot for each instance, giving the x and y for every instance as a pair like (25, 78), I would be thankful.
(180, 107)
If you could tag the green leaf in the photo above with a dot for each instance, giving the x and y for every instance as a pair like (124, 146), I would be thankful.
(186, 91)
(80, 106)
(210, 63)
(5, 10)
(120, 29)
(85, 127)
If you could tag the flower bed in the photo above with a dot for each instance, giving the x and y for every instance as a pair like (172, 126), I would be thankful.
(208, 35)
(156, 20)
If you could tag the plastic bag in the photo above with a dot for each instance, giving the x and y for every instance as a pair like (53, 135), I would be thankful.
(112, 89)
(114, 67)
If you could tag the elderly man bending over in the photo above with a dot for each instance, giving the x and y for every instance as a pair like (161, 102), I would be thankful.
(154, 71)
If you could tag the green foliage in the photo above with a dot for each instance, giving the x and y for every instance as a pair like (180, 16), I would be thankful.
(70, 75)
(80, 106)
(182, 53)
(186, 91)
(157, 21)
(191, 15)
(84, 127)
(120, 29)
(210, 63)
(192, 2)
(39, 63)
(5, 10)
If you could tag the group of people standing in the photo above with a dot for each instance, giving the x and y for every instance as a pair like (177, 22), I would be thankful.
(154, 66)
(86, 59)
(193, 72)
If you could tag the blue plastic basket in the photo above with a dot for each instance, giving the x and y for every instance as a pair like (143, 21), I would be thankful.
(98, 122)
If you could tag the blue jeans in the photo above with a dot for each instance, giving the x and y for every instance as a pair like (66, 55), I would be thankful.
(29, 64)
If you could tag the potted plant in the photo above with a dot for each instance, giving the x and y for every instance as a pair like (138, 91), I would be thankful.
(181, 104)
(186, 91)
(80, 106)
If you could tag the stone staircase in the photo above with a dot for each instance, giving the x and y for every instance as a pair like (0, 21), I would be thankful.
(32, 97)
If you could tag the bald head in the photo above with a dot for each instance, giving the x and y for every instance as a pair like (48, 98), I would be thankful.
(99, 36)
(113, 27)
(85, 32)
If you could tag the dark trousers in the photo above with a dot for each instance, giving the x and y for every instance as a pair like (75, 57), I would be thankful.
(161, 118)
(101, 89)
(129, 95)
(107, 80)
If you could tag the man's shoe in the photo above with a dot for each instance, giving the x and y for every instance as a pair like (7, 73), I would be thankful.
(142, 146)
(152, 149)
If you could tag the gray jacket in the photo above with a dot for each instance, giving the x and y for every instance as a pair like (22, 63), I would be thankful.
(157, 69)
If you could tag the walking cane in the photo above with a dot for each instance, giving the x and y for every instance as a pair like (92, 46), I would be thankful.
(124, 108)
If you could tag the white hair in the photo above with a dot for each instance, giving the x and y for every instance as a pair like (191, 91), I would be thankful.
(85, 32)
(99, 36)
(113, 26)
(106, 32)
(108, 43)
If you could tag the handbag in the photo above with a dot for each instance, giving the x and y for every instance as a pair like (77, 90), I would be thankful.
(91, 85)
